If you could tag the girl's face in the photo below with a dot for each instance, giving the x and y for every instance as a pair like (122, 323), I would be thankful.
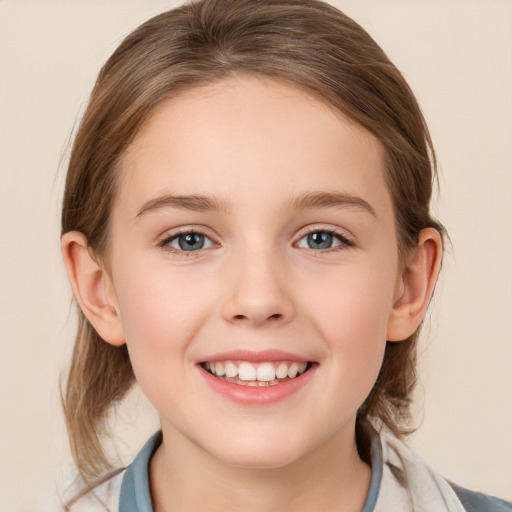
(253, 228)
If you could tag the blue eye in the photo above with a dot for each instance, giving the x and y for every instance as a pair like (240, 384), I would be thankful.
(188, 242)
(318, 240)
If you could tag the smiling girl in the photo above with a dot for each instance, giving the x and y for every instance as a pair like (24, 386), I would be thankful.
(246, 229)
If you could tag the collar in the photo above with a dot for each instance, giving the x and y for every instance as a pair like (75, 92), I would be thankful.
(136, 497)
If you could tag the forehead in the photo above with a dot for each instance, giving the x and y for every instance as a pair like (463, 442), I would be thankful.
(247, 136)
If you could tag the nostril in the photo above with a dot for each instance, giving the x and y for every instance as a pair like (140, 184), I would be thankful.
(272, 318)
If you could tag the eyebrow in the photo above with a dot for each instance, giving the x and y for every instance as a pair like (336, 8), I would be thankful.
(309, 200)
(193, 202)
(312, 200)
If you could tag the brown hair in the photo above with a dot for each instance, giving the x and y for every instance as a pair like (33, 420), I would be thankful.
(306, 43)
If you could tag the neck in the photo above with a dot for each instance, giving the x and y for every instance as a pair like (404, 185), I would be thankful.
(185, 478)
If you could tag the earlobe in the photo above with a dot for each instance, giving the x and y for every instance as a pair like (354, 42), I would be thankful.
(415, 285)
(92, 287)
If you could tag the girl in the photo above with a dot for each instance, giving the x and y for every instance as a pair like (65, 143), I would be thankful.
(246, 229)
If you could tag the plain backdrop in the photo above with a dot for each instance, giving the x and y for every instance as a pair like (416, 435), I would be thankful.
(456, 55)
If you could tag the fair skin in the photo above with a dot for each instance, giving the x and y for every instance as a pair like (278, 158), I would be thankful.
(265, 155)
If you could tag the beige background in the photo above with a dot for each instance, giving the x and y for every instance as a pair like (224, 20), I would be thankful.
(457, 56)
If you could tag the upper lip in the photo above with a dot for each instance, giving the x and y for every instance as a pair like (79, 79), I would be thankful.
(255, 356)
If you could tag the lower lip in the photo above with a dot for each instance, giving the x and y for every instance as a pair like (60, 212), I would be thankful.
(257, 395)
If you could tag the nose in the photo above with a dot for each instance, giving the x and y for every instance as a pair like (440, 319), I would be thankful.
(258, 292)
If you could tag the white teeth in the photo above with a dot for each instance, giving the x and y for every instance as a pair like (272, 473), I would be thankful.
(265, 372)
(246, 371)
(293, 370)
(219, 369)
(231, 370)
(282, 371)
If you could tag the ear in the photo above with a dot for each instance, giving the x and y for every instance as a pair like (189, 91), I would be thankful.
(415, 285)
(93, 287)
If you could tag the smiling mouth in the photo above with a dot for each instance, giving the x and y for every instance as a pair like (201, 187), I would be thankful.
(245, 373)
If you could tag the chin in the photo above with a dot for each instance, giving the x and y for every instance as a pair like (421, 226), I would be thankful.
(260, 453)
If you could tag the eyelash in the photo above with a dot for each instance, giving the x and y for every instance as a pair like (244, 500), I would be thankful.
(345, 242)
(164, 244)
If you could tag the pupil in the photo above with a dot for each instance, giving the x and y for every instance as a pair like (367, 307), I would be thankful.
(320, 240)
(191, 241)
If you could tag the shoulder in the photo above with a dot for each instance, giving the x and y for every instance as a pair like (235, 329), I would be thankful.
(123, 491)
(407, 479)
(478, 502)
(102, 496)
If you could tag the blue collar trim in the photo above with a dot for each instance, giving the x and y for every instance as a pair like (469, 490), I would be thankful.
(377, 463)
(135, 495)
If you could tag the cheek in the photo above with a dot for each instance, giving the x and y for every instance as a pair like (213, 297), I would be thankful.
(161, 315)
(352, 318)
(156, 300)
(353, 304)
